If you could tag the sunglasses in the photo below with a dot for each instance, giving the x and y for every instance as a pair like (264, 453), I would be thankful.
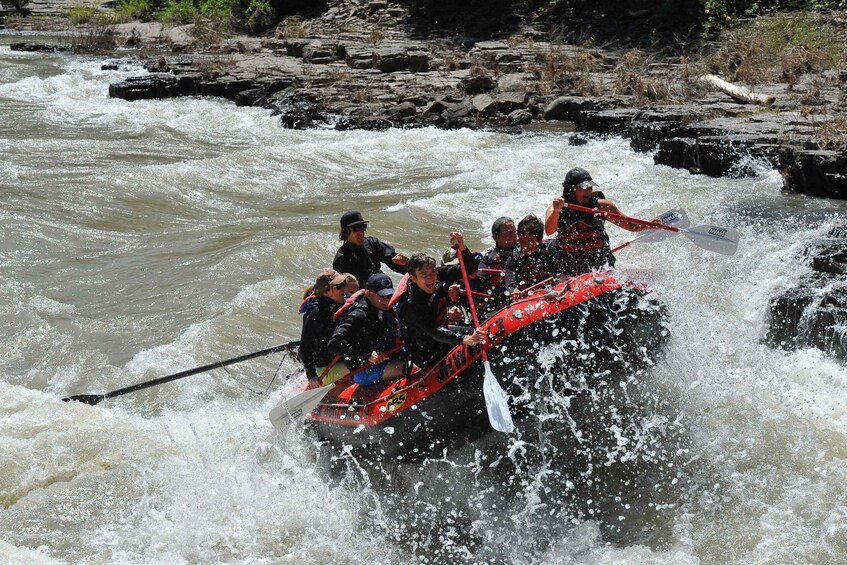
(361, 227)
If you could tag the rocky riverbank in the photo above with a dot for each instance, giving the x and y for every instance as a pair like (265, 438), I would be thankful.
(358, 65)
(348, 83)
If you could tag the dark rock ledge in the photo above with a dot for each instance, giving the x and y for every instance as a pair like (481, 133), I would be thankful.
(347, 84)
(813, 313)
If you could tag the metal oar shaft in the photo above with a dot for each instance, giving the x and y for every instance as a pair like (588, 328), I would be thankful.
(93, 399)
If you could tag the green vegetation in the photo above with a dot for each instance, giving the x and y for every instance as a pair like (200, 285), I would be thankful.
(179, 12)
(254, 15)
(135, 10)
(259, 15)
(725, 13)
(81, 13)
(779, 48)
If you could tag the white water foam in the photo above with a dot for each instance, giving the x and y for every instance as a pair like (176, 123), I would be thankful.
(165, 240)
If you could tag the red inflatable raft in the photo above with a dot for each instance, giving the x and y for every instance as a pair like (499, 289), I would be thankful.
(442, 405)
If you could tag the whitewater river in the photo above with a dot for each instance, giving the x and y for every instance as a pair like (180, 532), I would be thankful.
(140, 239)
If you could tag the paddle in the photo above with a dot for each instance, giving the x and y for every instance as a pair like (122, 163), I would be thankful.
(676, 218)
(711, 238)
(93, 399)
(495, 397)
(289, 411)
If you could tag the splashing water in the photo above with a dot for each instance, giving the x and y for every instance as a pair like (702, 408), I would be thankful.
(141, 239)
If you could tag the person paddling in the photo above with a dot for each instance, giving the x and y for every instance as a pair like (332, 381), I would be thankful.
(318, 325)
(583, 243)
(424, 313)
(363, 256)
(367, 330)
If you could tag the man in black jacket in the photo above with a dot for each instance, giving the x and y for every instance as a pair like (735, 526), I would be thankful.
(366, 331)
(318, 326)
(362, 256)
(424, 312)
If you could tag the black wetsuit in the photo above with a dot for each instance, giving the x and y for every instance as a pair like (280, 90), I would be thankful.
(364, 260)
(317, 329)
(363, 329)
(424, 316)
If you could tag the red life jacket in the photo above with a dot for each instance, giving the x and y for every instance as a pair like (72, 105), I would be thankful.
(582, 235)
(580, 231)
(347, 304)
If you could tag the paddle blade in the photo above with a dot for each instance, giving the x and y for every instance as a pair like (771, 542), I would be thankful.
(496, 403)
(298, 407)
(91, 399)
(714, 238)
(676, 218)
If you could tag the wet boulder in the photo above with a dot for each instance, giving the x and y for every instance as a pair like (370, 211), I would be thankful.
(813, 313)
(477, 84)
(154, 86)
(358, 57)
(570, 108)
(519, 117)
(417, 61)
(508, 102)
(319, 53)
(42, 48)
(615, 121)
(814, 172)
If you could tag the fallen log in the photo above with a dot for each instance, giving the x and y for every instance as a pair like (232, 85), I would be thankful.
(738, 92)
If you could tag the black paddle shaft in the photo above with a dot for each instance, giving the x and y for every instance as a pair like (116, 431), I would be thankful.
(93, 399)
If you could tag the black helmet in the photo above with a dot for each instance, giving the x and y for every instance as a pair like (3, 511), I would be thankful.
(575, 177)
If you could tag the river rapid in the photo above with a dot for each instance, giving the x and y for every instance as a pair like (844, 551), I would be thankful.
(140, 239)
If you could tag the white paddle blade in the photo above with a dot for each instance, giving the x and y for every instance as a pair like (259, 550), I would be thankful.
(297, 408)
(496, 403)
(714, 238)
(676, 218)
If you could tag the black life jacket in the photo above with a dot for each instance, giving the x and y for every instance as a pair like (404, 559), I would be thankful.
(384, 341)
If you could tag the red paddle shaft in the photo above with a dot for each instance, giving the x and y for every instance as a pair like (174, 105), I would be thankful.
(599, 212)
